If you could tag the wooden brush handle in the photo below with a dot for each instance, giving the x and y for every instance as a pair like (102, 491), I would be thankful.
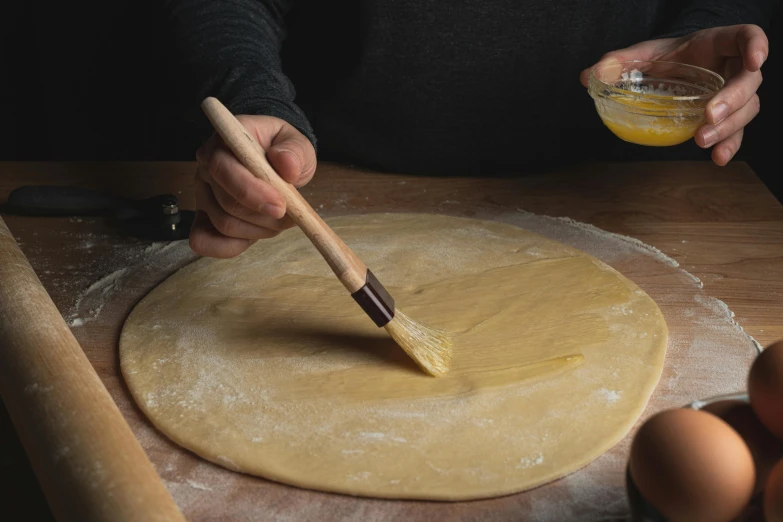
(89, 464)
(351, 271)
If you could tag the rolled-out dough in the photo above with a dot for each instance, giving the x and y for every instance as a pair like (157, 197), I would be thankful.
(264, 364)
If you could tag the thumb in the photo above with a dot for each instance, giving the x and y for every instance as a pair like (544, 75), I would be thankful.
(643, 51)
(292, 156)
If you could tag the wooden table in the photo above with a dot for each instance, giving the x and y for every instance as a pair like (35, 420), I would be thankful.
(720, 224)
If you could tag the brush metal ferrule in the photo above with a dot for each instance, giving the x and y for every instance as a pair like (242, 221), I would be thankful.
(375, 301)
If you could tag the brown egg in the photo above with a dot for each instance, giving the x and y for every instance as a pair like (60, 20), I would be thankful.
(692, 467)
(764, 446)
(773, 495)
(765, 387)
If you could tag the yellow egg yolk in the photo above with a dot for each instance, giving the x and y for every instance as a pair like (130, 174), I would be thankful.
(653, 131)
(666, 134)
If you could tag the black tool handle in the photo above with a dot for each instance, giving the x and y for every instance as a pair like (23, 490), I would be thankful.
(60, 201)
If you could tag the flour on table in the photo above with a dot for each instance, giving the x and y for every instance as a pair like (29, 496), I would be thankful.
(711, 327)
(720, 310)
(94, 295)
(197, 485)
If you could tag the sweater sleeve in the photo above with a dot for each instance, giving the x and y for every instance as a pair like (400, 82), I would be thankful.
(703, 14)
(231, 50)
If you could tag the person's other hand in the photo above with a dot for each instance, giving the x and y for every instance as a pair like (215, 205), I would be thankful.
(233, 207)
(736, 53)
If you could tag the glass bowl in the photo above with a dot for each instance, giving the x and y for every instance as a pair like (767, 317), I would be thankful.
(657, 104)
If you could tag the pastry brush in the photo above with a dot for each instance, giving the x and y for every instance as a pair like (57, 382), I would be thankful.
(428, 347)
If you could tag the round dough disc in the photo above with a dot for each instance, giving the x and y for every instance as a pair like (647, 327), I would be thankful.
(264, 364)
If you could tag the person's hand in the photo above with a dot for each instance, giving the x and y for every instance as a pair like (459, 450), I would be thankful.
(736, 53)
(233, 207)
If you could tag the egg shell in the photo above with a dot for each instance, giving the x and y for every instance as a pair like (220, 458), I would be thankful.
(765, 387)
(764, 446)
(692, 467)
(773, 495)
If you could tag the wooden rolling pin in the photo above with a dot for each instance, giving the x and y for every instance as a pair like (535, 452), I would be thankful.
(89, 464)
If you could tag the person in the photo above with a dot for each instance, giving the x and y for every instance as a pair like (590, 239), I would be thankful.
(427, 87)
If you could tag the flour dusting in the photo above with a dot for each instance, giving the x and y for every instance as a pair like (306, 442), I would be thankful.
(127, 261)
(197, 485)
(701, 324)
(610, 396)
(378, 436)
(721, 309)
(527, 462)
(95, 295)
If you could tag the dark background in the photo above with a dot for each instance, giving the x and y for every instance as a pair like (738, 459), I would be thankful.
(97, 80)
(100, 80)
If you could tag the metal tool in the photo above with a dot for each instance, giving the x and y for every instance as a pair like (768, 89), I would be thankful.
(158, 218)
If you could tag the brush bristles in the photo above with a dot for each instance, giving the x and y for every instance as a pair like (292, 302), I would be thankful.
(428, 347)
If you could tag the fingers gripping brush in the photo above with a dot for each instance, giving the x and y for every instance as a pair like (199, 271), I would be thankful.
(429, 348)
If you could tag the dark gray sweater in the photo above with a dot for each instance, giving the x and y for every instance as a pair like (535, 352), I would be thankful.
(433, 86)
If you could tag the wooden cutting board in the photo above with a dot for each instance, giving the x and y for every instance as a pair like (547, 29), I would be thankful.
(721, 225)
